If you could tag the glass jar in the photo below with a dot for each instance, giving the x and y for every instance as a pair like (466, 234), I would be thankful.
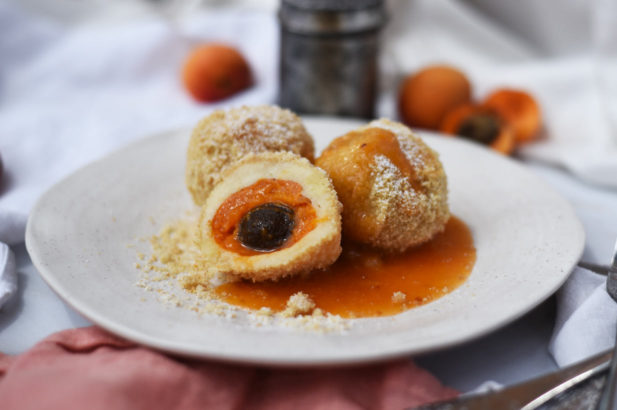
(328, 56)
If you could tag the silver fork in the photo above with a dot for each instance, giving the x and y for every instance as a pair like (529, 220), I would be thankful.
(608, 398)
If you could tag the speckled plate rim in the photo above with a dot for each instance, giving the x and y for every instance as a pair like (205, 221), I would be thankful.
(503, 202)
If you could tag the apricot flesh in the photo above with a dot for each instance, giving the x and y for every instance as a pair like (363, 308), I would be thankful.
(480, 124)
(519, 109)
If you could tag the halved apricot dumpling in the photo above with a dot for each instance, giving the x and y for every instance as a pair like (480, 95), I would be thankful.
(272, 215)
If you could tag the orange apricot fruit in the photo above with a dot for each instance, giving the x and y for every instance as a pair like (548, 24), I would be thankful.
(519, 109)
(479, 124)
(426, 96)
(215, 71)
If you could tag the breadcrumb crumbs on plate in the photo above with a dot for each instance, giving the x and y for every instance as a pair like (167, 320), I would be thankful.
(298, 304)
(179, 276)
(398, 297)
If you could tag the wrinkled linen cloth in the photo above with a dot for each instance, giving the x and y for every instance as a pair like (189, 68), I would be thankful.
(8, 277)
(563, 52)
(89, 368)
(586, 322)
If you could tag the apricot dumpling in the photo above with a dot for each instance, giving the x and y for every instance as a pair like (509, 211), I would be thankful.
(392, 186)
(272, 215)
(224, 137)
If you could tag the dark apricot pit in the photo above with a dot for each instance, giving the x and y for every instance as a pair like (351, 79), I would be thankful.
(481, 125)
(482, 128)
(266, 227)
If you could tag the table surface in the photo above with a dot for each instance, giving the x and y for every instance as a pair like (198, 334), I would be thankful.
(514, 353)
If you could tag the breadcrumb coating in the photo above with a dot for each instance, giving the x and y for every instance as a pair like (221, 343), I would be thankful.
(224, 137)
(384, 206)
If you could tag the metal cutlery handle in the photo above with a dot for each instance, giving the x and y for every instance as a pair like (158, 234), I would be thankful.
(608, 399)
(594, 267)
(530, 394)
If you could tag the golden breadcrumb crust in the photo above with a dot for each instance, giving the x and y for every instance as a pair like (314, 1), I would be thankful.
(382, 207)
(224, 137)
(318, 249)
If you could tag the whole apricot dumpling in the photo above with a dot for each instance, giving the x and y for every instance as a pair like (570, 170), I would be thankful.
(392, 186)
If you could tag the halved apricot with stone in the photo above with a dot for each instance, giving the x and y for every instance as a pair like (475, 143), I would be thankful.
(480, 125)
(519, 109)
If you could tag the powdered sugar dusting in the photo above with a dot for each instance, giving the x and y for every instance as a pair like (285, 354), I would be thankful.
(390, 185)
(419, 205)
(275, 128)
(411, 145)
(224, 137)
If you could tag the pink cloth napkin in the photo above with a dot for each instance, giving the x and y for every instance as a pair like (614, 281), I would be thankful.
(89, 368)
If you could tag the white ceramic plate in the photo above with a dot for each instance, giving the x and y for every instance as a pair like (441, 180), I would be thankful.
(527, 238)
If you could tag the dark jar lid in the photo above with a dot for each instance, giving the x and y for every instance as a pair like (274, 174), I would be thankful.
(331, 17)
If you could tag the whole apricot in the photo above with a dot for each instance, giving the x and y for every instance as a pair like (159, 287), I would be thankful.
(214, 71)
(426, 96)
(519, 109)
